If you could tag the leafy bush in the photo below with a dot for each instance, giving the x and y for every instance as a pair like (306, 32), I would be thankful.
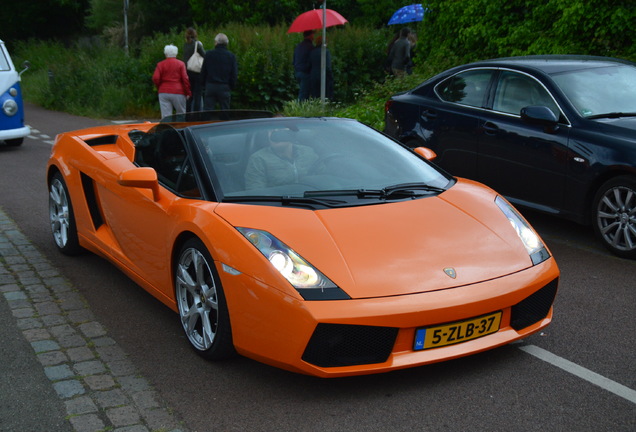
(92, 81)
(460, 32)
(369, 106)
(264, 55)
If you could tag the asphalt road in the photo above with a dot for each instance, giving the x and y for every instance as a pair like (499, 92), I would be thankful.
(577, 375)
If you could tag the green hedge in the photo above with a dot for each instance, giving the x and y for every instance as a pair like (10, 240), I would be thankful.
(92, 79)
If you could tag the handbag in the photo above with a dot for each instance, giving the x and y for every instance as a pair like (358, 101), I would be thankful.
(195, 62)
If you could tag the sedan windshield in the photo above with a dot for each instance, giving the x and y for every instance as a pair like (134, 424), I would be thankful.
(329, 162)
(602, 91)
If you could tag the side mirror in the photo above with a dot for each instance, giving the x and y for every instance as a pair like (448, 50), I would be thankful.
(425, 152)
(145, 178)
(25, 65)
(540, 115)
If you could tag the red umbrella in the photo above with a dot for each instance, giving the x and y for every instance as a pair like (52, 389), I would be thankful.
(312, 20)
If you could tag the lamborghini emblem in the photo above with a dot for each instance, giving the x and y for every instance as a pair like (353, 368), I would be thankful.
(450, 272)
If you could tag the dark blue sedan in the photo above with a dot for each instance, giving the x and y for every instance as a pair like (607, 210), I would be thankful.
(553, 133)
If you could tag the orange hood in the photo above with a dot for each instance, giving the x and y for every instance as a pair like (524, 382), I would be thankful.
(397, 248)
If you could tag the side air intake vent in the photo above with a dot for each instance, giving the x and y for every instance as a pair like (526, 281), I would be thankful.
(534, 308)
(334, 345)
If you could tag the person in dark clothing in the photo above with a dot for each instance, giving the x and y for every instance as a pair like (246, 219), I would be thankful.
(315, 61)
(302, 66)
(219, 74)
(401, 53)
(195, 102)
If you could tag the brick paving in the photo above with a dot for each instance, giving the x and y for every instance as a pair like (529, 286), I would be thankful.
(99, 386)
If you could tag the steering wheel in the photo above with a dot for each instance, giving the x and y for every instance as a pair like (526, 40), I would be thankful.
(323, 161)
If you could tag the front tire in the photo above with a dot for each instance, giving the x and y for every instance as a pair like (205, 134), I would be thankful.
(15, 142)
(615, 215)
(201, 302)
(62, 218)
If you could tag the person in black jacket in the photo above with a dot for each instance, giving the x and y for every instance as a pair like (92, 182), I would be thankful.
(302, 66)
(400, 54)
(219, 74)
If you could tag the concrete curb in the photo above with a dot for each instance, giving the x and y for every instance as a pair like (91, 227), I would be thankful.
(97, 383)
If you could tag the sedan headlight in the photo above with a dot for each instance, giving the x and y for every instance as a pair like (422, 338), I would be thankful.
(530, 239)
(305, 278)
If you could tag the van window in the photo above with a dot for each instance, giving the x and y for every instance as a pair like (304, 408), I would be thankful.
(4, 62)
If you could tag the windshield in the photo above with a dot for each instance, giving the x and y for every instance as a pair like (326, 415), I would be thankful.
(287, 159)
(598, 91)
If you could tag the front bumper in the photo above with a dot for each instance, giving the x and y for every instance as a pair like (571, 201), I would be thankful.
(14, 133)
(364, 336)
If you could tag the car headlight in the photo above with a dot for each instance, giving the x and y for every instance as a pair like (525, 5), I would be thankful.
(10, 107)
(530, 239)
(305, 278)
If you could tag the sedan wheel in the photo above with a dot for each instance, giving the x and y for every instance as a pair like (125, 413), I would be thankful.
(201, 302)
(62, 218)
(615, 216)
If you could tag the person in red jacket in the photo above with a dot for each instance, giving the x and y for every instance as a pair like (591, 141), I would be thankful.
(171, 79)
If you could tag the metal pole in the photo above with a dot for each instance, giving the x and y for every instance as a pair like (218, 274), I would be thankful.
(323, 54)
(126, 26)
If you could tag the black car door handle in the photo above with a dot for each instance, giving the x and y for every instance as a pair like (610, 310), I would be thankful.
(428, 114)
(491, 128)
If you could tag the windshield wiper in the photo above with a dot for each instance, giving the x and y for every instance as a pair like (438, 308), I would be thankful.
(293, 200)
(406, 187)
(397, 191)
(285, 200)
(611, 115)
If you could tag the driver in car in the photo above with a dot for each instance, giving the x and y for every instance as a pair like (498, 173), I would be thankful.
(282, 162)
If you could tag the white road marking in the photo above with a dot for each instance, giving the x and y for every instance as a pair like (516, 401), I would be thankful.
(581, 372)
(37, 135)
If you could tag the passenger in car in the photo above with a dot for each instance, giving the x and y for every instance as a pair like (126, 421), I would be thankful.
(282, 162)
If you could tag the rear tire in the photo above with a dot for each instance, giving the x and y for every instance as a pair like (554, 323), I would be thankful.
(62, 218)
(615, 215)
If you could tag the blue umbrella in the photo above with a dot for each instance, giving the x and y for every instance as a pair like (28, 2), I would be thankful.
(407, 14)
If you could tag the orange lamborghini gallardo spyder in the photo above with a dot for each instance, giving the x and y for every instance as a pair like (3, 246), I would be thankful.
(317, 245)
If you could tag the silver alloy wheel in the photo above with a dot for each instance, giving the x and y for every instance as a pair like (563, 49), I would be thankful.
(616, 218)
(197, 299)
(59, 213)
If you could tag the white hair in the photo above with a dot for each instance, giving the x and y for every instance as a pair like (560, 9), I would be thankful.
(221, 39)
(170, 50)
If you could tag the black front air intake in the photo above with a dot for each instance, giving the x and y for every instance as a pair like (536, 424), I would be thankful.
(534, 308)
(334, 345)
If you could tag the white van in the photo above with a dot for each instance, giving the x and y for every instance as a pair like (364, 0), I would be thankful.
(12, 128)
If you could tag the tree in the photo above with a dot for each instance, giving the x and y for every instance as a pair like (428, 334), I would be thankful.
(42, 19)
(145, 17)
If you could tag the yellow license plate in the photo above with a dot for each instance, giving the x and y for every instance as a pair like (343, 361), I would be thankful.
(457, 332)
